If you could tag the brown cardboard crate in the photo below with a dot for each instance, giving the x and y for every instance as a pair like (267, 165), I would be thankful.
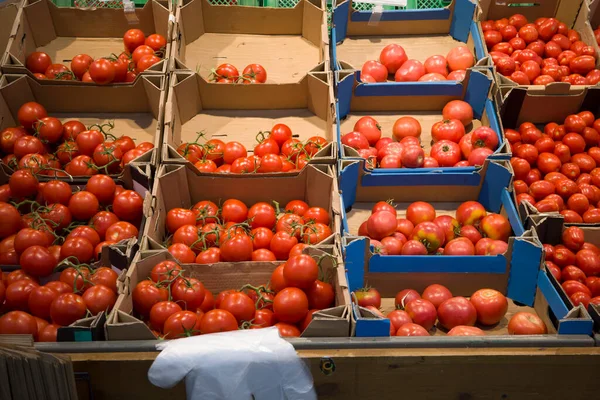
(136, 110)
(181, 186)
(287, 42)
(194, 106)
(64, 32)
(331, 322)
(8, 15)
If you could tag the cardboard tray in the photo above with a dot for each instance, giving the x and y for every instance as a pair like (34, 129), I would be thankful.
(331, 322)
(64, 32)
(386, 103)
(240, 112)
(287, 42)
(548, 228)
(574, 13)
(136, 110)
(8, 15)
(358, 36)
(540, 106)
(563, 325)
(181, 186)
(513, 272)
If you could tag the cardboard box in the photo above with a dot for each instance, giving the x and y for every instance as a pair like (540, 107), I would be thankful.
(287, 42)
(543, 105)
(8, 15)
(548, 228)
(64, 32)
(136, 110)
(331, 322)
(193, 108)
(359, 36)
(574, 13)
(182, 186)
(513, 272)
(386, 103)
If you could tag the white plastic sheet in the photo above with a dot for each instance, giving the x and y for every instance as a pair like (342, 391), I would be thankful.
(234, 365)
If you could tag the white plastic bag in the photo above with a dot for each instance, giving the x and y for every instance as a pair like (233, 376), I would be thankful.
(234, 365)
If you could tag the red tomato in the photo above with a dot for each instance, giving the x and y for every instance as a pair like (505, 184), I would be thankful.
(524, 323)
(451, 130)
(392, 57)
(376, 70)
(156, 42)
(460, 58)
(411, 329)
(436, 294)
(446, 153)
(368, 297)
(491, 306)
(290, 305)
(410, 71)
(406, 126)
(422, 312)
(456, 311)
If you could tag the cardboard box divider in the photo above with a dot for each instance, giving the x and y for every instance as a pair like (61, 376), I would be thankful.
(8, 14)
(64, 32)
(137, 110)
(182, 186)
(331, 322)
(573, 319)
(193, 108)
(287, 42)
(387, 103)
(541, 106)
(513, 272)
(574, 13)
(422, 33)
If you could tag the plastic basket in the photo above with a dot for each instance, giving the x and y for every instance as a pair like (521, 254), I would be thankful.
(91, 4)
(411, 5)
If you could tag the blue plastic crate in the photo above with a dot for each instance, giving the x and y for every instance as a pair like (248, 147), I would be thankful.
(455, 22)
(368, 98)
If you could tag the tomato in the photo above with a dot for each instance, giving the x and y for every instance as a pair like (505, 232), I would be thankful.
(102, 71)
(456, 311)
(410, 71)
(145, 295)
(588, 261)
(281, 244)
(160, 312)
(83, 205)
(28, 237)
(145, 62)
(105, 276)
(18, 323)
(460, 58)
(128, 206)
(524, 323)
(381, 224)
(156, 42)
(492, 37)
(369, 128)
(218, 321)
(573, 237)
(237, 247)
(392, 57)
(479, 155)
(11, 220)
(582, 64)
(29, 113)
(355, 140)
(436, 64)
(548, 162)
(239, 305)
(290, 305)
(79, 248)
(99, 298)
(491, 306)
(446, 153)
(571, 287)
(470, 213)
(451, 130)
(422, 312)
(132, 39)
(67, 308)
(376, 70)
(411, 329)
(301, 271)
(17, 294)
(182, 324)
(459, 247)
(529, 33)
(37, 261)
(436, 294)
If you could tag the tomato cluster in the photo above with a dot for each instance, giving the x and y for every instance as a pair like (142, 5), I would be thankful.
(39, 310)
(576, 264)
(556, 170)
(140, 53)
(452, 146)
(539, 53)
(177, 306)
(228, 73)
(48, 222)
(276, 151)
(416, 314)
(474, 231)
(44, 145)
(207, 234)
(394, 61)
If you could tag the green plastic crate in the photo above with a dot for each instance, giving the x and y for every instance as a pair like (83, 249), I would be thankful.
(410, 5)
(96, 3)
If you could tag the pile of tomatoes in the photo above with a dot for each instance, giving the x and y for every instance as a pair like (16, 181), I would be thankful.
(576, 264)
(556, 169)
(207, 233)
(474, 231)
(452, 146)
(176, 306)
(276, 151)
(394, 61)
(140, 53)
(44, 145)
(541, 52)
(48, 222)
(416, 314)
(228, 73)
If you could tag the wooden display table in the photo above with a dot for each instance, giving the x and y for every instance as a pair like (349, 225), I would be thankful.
(491, 373)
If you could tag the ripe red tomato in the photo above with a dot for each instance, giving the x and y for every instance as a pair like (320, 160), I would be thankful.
(392, 57)
(436, 294)
(470, 213)
(491, 306)
(182, 324)
(446, 153)
(524, 323)
(456, 311)
(458, 109)
(368, 297)
(301, 271)
(18, 323)
(422, 312)
(290, 305)
(376, 70)
(412, 329)
(410, 71)
(156, 42)
(67, 308)
(452, 130)
(218, 321)
(460, 58)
